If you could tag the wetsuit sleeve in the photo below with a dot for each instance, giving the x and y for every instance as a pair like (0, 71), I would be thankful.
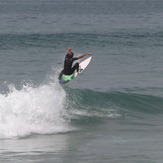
(75, 58)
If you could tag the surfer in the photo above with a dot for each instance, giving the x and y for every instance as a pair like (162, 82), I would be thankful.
(69, 59)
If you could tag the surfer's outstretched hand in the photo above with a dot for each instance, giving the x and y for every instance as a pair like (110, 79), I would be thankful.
(83, 55)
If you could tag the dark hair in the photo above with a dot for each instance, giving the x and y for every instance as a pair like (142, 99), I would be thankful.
(70, 55)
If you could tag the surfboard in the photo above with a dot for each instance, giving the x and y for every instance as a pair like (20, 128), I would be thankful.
(82, 65)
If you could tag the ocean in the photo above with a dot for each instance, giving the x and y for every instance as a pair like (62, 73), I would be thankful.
(112, 112)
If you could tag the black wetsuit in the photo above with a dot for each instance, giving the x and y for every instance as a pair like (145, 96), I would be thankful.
(68, 69)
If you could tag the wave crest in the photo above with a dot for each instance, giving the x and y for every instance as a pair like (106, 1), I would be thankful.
(32, 110)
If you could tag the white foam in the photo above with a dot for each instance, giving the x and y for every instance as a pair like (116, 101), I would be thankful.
(33, 110)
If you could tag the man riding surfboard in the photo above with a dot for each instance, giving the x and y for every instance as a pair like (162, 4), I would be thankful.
(69, 68)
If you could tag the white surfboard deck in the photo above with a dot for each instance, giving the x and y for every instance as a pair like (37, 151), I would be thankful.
(83, 65)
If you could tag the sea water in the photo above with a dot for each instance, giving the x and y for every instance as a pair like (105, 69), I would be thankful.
(112, 112)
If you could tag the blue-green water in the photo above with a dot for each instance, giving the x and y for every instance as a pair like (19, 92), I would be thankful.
(112, 112)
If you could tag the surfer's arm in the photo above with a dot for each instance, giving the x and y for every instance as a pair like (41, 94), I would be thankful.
(83, 55)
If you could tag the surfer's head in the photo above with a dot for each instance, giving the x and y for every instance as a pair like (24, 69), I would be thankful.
(70, 55)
